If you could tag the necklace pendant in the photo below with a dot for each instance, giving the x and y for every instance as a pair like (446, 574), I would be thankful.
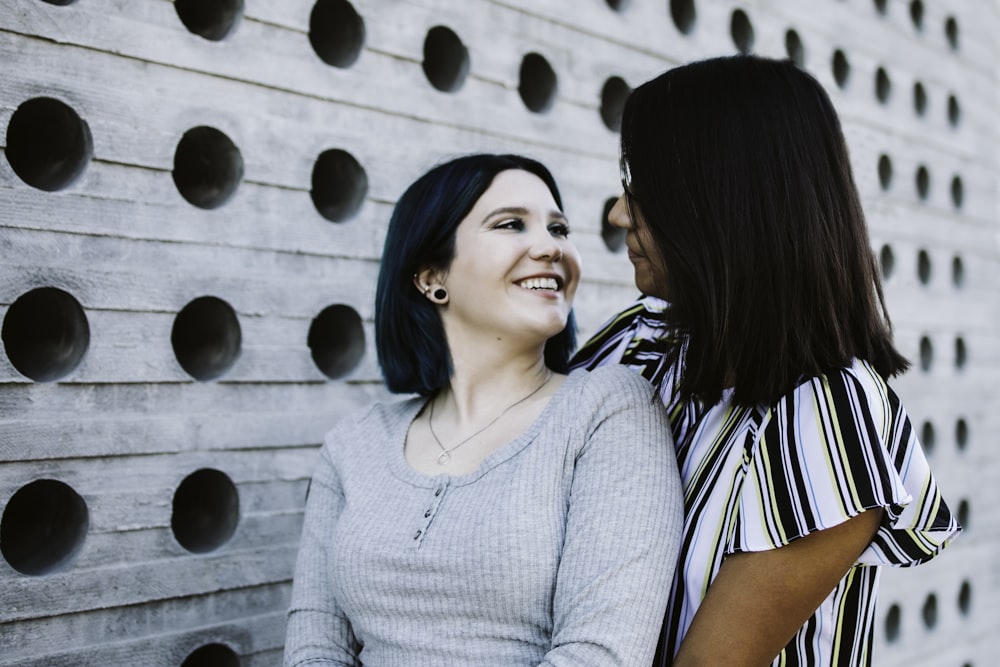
(443, 458)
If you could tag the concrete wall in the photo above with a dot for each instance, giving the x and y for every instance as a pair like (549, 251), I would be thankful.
(192, 204)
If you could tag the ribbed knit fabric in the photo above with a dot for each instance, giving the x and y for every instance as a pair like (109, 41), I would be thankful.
(559, 550)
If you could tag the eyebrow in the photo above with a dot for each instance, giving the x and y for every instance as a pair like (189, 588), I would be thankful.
(519, 210)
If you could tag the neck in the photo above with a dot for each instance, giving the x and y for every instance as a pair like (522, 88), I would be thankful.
(478, 391)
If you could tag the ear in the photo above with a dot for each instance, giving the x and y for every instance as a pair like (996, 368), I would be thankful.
(426, 280)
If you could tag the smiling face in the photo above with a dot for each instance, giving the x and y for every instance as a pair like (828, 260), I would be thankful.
(650, 274)
(515, 272)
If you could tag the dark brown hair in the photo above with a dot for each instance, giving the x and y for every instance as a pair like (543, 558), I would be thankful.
(739, 168)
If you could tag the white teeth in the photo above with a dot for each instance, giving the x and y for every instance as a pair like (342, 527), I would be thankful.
(540, 283)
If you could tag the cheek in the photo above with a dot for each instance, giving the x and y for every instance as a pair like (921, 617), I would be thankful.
(573, 264)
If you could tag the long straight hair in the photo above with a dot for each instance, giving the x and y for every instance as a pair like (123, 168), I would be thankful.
(739, 169)
(409, 335)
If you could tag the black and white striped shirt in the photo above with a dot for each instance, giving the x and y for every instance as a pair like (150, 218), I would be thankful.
(758, 478)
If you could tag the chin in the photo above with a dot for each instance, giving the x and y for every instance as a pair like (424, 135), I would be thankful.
(553, 327)
(648, 286)
(645, 286)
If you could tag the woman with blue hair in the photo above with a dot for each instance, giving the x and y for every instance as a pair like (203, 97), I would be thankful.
(508, 514)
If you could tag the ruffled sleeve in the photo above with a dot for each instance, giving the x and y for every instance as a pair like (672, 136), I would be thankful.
(832, 448)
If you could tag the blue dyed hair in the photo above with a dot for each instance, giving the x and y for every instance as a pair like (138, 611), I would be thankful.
(409, 335)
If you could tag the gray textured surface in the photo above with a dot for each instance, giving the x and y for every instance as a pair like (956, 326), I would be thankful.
(128, 424)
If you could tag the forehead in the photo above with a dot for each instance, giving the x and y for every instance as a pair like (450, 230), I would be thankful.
(515, 188)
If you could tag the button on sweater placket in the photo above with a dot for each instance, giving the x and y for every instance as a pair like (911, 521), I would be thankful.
(433, 503)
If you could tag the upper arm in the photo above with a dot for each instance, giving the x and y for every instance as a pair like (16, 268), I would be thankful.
(317, 628)
(622, 534)
(759, 600)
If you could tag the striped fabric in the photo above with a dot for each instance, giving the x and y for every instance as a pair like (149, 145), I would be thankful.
(758, 478)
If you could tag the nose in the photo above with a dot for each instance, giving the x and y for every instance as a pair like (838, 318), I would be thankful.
(544, 246)
(618, 215)
(548, 249)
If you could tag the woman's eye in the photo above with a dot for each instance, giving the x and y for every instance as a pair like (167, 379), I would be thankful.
(559, 229)
(513, 223)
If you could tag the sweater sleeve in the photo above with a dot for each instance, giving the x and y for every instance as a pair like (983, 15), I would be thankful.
(623, 528)
(318, 632)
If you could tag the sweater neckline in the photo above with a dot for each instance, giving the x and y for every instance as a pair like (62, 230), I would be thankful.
(401, 469)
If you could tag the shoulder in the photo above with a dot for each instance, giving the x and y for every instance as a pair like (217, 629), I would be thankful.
(606, 382)
(845, 426)
(855, 394)
(612, 392)
(369, 426)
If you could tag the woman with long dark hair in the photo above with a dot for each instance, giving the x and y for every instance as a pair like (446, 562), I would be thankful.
(763, 327)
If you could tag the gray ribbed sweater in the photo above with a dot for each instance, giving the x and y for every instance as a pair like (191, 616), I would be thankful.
(559, 550)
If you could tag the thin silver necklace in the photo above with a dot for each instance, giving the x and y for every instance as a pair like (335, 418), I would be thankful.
(445, 456)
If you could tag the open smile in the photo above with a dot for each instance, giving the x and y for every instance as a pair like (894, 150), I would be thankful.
(546, 283)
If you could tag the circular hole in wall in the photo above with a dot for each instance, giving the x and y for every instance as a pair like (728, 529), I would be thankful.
(337, 340)
(961, 434)
(923, 182)
(884, 171)
(887, 260)
(794, 48)
(741, 30)
(963, 513)
(45, 334)
(926, 354)
(917, 14)
(928, 437)
(957, 191)
(683, 14)
(965, 598)
(957, 271)
(206, 337)
(919, 99)
(954, 111)
(537, 83)
(618, 5)
(841, 68)
(60, 3)
(336, 32)
(206, 510)
(48, 144)
(211, 19)
(882, 6)
(43, 527)
(613, 95)
(339, 185)
(446, 60)
(212, 655)
(923, 267)
(929, 611)
(883, 85)
(951, 32)
(208, 167)
(613, 237)
(892, 623)
(961, 353)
